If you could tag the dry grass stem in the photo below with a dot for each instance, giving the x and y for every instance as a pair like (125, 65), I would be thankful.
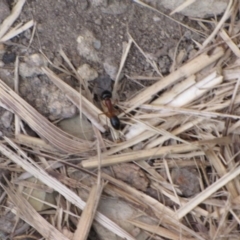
(16, 31)
(195, 91)
(126, 50)
(177, 131)
(185, 71)
(30, 166)
(7, 23)
(221, 170)
(230, 43)
(168, 96)
(88, 213)
(193, 112)
(230, 74)
(81, 80)
(148, 58)
(167, 16)
(157, 230)
(224, 18)
(185, 209)
(200, 88)
(25, 211)
(184, 5)
(45, 129)
(147, 135)
(165, 214)
(85, 106)
(34, 142)
(152, 153)
(16, 86)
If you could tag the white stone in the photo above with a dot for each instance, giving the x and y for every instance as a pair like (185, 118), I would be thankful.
(87, 73)
(6, 119)
(200, 8)
(86, 47)
(31, 66)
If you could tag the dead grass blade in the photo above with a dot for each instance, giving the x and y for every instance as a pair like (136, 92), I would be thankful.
(16, 89)
(221, 170)
(34, 142)
(86, 107)
(230, 43)
(82, 81)
(34, 169)
(188, 207)
(164, 214)
(165, 15)
(26, 212)
(126, 50)
(7, 23)
(189, 111)
(182, 6)
(186, 70)
(152, 153)
(224, 18)
(177, 89)
(58, 138)
(88, 214)
(16, 31)
(157, 230)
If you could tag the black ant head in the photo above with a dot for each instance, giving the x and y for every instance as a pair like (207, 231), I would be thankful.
(106, 94)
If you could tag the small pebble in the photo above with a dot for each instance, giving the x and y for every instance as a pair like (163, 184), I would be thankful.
(87, 73)
(31, 66)
(98, 21)
(28, 71)
(86, 46)
(164, 64)
(110, 67)
(84, 4)
(6, 119)
(28, 34)
(156, 19)
(97, 44)
(186, 180)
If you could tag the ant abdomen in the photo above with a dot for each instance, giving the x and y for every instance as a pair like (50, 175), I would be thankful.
(115, 122)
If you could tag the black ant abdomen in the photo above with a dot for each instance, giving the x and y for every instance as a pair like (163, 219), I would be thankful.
(115, 122)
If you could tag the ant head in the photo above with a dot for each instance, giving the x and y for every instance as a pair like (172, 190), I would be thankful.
(106, 95)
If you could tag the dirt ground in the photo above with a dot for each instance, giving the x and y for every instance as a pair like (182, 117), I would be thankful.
(59, 25)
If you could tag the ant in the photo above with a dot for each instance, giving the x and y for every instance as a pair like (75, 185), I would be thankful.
(106, 97)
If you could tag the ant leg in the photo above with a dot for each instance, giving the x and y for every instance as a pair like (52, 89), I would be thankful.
(103, 113)
(115, 102)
